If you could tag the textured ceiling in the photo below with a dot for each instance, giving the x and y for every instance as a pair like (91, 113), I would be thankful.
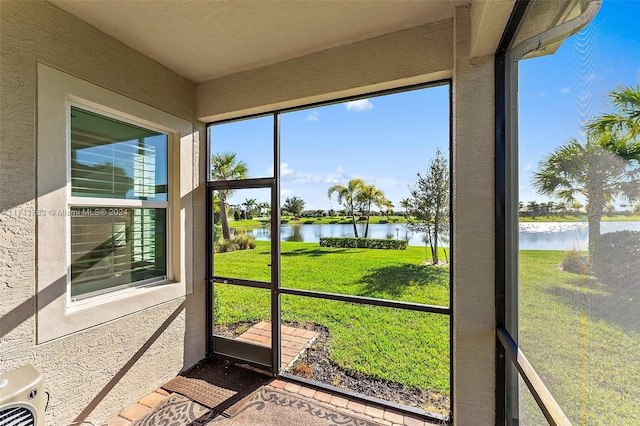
(201, 40)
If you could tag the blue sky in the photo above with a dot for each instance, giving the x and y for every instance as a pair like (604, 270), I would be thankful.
(383, 140)
(387, 140)
(559, 93)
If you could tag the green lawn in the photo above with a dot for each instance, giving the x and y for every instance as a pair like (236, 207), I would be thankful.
(366, 339)
(583, 339)
(575, 331)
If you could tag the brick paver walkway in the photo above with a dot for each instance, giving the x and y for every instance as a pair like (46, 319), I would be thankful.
(374, 413)
(293, 340)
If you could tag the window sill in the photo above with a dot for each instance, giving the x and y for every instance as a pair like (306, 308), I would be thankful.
(117, 295)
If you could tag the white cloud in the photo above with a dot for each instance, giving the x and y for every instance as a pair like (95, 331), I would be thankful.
(527, 167)
(313, 116)
(285, 170)
(543, 94)
(293, 176)
(359, 106)
(565, 90)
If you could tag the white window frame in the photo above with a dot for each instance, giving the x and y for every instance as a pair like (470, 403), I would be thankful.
(79, 201)
(56, 315)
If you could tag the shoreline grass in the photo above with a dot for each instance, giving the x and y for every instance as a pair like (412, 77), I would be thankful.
(346, 220)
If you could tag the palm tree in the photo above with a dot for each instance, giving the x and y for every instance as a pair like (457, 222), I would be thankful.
(590, 171)
(388, 207)
(250, 206)
(620, 131)
(265, 208)
(405, 204)
(367, 196)
(225, 167)
(348, 196)
(548, 206)
(577, 208)
(562, 208)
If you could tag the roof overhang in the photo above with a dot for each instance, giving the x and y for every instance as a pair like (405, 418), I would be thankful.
(204, 40)
(255, 56)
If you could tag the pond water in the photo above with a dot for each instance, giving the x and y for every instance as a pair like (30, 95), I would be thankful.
(533, 235)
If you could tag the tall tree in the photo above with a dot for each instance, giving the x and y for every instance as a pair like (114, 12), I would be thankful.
(368, 195)
(225, 167)
(387, 205)
(348, 197)
(533, 208)
(428, 204)
(250, 205)
(294, 205)
(405, 204)
(590, 171)
(264, 207)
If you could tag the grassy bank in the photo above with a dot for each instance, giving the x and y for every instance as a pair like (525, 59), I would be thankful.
(346, 220)
(582, 218)
(289, 220)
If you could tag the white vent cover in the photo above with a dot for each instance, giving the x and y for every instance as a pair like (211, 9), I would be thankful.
(22, 397)
(17, 415)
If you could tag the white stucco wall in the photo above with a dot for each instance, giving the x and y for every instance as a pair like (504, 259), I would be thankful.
(473, 255)
(94, 373)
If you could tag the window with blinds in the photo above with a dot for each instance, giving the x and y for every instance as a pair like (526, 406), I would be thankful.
(118, 204)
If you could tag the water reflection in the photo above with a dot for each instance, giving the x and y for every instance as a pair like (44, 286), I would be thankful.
(312, 233)
(533, 235)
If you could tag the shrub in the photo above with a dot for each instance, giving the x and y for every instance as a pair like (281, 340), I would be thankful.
(236, 215)
(303, 370)
(370, 243)
(616, 258)
(217, 232)
(283, 221)
(382, 222)
(308, 222)
(238, 242)
(574, 262)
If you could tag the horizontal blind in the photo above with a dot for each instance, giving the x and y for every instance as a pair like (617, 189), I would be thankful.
(108, 251)
(113, 159)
